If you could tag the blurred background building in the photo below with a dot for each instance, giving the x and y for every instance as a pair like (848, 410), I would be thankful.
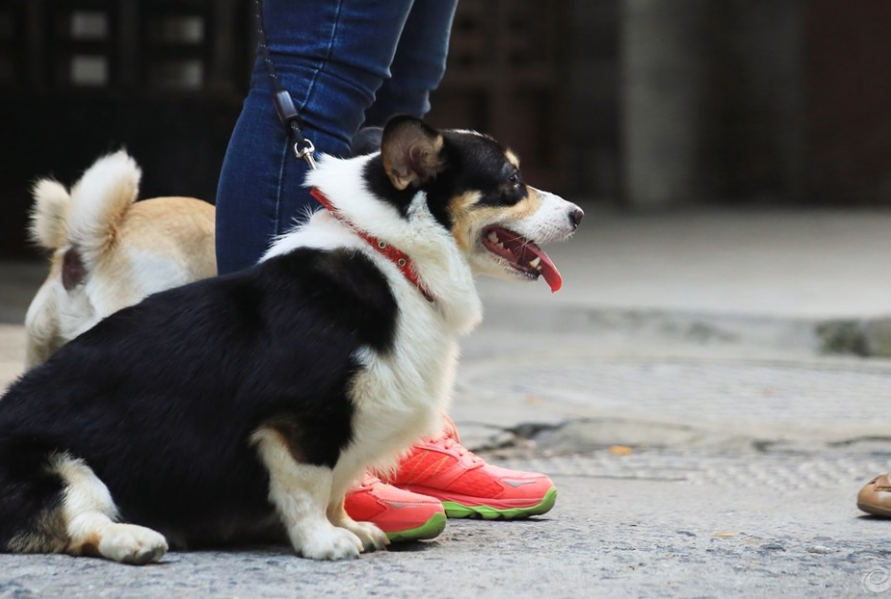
(637, 104)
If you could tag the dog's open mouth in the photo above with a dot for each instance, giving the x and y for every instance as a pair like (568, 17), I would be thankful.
(522, 254)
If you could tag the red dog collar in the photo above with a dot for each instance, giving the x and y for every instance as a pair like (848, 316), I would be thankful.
(397, 257)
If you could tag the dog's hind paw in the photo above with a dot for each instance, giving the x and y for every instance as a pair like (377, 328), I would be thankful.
(132, 544)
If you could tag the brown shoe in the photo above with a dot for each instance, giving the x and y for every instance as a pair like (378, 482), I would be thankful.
(875, 497)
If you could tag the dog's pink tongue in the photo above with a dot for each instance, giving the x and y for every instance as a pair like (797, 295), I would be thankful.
(548, 270)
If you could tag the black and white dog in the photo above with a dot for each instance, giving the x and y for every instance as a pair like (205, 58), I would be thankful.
(247, 404)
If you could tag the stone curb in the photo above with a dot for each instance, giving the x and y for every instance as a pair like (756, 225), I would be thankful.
(863, 337)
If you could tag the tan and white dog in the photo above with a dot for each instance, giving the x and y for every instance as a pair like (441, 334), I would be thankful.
(109, 251)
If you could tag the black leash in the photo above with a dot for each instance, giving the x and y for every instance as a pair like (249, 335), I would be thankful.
(284, 104)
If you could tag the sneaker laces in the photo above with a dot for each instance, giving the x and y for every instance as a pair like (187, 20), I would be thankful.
(449, 439)
(368, 481)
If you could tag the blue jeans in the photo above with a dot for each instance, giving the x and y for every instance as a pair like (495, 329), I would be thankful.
(336, 58)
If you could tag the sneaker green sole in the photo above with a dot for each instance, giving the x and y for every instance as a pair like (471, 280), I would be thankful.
(430, 529)
(458, 510)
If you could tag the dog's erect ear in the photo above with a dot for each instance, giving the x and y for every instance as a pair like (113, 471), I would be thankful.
(366, 141)
(411, 151)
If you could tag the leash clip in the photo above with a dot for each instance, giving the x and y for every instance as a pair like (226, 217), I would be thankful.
(284, 103)
(304, 149)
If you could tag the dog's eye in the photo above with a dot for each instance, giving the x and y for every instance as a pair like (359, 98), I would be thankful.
(515, 180)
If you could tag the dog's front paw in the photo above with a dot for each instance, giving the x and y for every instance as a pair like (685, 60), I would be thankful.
(331, 542)
(372, 537)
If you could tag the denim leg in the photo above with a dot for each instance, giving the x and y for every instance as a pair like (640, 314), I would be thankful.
(419, 64)
(332, 56)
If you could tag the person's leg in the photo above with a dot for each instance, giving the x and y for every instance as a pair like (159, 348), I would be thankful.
(332, 56)
(419, 64)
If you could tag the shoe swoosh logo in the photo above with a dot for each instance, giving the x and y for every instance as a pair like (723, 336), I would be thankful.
(519, 483)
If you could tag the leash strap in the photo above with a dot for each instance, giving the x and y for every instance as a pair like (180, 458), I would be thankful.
(281, 99)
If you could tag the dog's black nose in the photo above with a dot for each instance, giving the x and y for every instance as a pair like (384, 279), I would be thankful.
(576, 217)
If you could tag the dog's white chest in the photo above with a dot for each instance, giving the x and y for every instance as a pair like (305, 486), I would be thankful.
(399, 395)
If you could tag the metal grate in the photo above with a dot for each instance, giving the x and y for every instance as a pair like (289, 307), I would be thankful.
(80, 45)
(113, 45)
(178, 41)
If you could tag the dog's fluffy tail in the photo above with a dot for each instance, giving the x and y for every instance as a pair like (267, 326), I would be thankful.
(88, 219)
(49, 213)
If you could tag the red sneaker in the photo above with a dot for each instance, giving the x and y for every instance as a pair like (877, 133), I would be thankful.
(469, 487)
(402, 515)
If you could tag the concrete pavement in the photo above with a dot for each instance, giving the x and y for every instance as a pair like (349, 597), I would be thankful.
(680, 393)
